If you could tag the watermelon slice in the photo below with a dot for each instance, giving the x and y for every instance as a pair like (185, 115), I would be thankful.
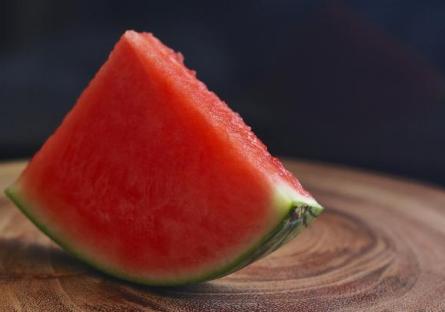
(153, 179)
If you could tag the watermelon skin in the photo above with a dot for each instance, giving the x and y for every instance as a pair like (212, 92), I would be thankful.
(153, 179)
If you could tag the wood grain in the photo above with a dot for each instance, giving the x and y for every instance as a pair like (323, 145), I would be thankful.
(380, 246)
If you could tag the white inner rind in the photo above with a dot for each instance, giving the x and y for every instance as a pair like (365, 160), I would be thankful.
(286, 197)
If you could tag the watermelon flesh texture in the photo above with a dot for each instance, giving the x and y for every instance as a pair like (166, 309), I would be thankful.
(152, 178)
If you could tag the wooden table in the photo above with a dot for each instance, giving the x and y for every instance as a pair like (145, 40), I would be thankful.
(380, 246)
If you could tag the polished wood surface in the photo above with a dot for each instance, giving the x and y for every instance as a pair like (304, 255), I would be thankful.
(380, 246)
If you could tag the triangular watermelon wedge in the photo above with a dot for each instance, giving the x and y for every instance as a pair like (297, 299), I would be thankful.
(153, 179)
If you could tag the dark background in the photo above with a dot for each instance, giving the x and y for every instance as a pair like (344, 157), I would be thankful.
(353, 82)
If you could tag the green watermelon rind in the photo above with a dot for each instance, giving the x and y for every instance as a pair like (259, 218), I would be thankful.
(299, 214)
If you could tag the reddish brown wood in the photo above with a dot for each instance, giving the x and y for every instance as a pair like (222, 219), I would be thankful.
(380, 246)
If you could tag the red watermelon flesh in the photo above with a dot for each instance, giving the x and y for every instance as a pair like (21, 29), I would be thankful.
(152, 178)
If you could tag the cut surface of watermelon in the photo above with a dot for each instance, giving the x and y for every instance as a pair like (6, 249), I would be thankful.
(152, 178)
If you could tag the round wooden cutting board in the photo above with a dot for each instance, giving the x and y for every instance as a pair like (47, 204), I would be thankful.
(380, 246)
